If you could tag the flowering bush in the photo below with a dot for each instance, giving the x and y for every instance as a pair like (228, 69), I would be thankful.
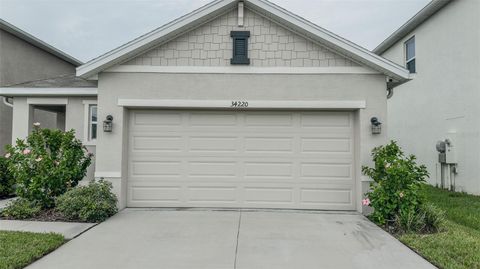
(47, 164)
(397, 182)
(6, 180)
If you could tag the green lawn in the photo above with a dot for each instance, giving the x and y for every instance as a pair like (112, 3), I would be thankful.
(458, 245)
(18, 249)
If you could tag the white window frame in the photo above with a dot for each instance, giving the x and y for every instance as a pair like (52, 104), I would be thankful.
(405, 52)
(88, 104)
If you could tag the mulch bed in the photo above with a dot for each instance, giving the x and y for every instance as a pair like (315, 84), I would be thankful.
(47, 215)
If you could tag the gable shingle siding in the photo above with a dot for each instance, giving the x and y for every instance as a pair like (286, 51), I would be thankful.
(269, 45)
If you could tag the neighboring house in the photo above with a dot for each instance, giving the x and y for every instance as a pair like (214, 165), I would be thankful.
(440, 45)
(24, 58)
(237, 104)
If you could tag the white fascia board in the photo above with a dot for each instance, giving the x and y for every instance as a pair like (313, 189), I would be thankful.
(251, 104)
(342, 45)
(12, 92)
(148, 40)
(239, 70)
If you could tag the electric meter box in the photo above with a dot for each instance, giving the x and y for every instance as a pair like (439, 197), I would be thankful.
(450, 149)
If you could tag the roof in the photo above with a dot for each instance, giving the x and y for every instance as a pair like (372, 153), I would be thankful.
(65, 81)
(38, 43)
(268, 9)
(423, 15)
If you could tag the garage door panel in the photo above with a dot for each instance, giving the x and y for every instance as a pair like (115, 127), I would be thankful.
(213, 143)
(157, 168)
(166, 118)
(324, 196)
(212, 119)
(211, 168)
(326, 119)
(209, 194)
(254, 159)
(326, 170)
(156, 194)
(265, 195)
(158, 143)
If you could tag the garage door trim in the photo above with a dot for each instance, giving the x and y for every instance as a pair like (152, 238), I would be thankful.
(252, 104)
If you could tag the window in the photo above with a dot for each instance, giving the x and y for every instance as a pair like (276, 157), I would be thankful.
(410, 55)
(240, 47)
(90, 122)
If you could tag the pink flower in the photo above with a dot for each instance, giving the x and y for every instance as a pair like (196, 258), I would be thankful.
(36, 124)
(26, 151)
(401, 195)
(38, 159)
(366, 202)
(7, 155)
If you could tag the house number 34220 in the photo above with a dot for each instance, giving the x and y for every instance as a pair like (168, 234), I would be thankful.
(239, 104)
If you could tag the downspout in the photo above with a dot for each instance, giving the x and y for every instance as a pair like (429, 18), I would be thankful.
(5, 102)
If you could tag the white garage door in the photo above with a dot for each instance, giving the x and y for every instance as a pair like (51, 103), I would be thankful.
(251, 159)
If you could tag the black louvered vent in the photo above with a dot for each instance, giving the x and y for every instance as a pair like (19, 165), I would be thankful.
(240, 47)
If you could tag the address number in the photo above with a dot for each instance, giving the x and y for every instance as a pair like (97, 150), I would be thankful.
(239, 104)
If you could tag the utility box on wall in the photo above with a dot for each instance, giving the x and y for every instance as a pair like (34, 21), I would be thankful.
(450, 149)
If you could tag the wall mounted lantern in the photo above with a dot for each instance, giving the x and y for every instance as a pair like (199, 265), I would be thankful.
(108, 124)
(376, 126)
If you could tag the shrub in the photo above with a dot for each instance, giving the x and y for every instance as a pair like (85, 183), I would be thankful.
(92, 203)
(427, 219)
(6, 180)
(397, 183)
(434, 218)
(47, 164)
(21, 209)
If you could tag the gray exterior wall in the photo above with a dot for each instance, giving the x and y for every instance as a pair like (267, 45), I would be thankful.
(112, 147)
(269, 45)
(443, 97)
(21, 62)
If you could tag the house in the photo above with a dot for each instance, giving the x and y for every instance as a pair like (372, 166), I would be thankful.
(237, 104)
(23, 59)
(440, 46)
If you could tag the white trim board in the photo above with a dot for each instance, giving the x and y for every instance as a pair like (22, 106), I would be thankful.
(240, 70)
(267, 9)
(252, 104)
(86, 122)
(48, 91)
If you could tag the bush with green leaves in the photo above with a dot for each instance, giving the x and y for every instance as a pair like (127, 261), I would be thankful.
(47, 164)
(92, 203)
(398, 180)
(6, 180)
(21, 209)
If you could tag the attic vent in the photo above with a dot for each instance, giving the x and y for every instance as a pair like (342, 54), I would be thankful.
(240, 47)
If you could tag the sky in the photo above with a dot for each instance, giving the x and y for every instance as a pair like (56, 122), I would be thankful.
(86, 29)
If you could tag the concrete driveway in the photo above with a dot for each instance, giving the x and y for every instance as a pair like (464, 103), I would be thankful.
(233, 239)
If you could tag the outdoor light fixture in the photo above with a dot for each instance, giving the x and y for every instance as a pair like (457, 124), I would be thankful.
(376, 126)
(108, 124)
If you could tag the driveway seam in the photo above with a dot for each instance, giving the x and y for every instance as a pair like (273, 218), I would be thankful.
(238, 235)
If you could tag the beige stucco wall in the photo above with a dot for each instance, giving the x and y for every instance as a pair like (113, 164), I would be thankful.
(270, 44)
(444, 95)
(20, 62)
(74, 119)
(112, 147)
